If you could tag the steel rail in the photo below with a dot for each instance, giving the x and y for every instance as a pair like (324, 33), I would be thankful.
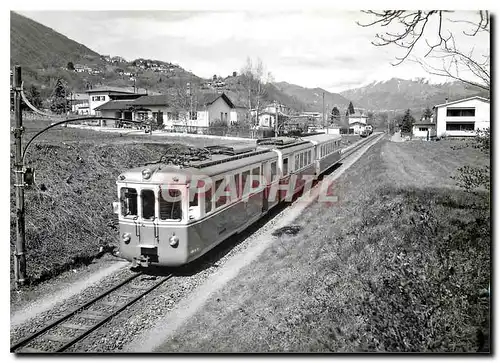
(111, 315)
(33, 336)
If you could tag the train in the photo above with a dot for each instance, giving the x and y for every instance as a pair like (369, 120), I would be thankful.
(170, 214)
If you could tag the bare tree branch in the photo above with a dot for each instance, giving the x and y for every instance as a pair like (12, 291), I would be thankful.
(415, 24)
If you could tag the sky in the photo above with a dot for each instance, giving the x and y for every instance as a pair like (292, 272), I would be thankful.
(320, 47)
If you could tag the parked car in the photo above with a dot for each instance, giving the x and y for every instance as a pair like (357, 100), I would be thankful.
(364, 133)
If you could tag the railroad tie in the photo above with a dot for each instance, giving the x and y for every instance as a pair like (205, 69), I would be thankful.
(75, 326)
(58, 338)
(30, 350)
(125, 294)
(90, 314)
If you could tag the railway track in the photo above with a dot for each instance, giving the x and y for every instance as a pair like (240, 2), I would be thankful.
(67, 330)
(355, 147)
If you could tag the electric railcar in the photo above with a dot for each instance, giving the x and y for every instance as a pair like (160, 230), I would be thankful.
(170, 215)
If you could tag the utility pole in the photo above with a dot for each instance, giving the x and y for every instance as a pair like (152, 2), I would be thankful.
(323, 110)
(19, 254)
(276, 119)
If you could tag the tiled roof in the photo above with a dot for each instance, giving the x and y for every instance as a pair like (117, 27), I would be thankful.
(111, 89)
(158, 100)
(114, 105)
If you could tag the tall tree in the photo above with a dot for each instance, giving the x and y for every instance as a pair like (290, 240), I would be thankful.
(335, 116)
(59, 103)
(407, 122)
(255, 79)
(351, 108)
(444, 33)
(427, 115)
(34, 97)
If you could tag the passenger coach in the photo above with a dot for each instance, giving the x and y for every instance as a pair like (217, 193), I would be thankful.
(170, 214)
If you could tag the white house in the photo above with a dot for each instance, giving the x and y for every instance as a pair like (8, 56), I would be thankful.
(207, 109)
(100, 96)
(424, 128)
(357, 122)
(462, 117)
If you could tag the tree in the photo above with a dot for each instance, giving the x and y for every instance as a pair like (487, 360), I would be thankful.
(59, 103)
(34, 97)
(70, 66)
(427, 115)
(351, 108)
(407, 122)
(406, 29)
(335, 117)
(255, 79)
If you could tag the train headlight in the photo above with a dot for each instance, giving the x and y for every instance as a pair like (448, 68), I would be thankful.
(146, 173)
(126, 238)
(174, 241)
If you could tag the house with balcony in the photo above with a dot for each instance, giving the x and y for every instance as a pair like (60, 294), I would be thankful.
(462, 117)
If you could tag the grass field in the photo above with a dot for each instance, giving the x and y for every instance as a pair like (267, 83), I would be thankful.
(400, 263)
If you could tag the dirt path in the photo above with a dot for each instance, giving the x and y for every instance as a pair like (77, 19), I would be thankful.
(165, 327)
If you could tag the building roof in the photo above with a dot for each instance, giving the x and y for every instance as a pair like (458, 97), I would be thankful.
(205, 99)
(158, 100)
(358, 115)
(114, 105)
(111, 90)
(356, 122)
(424, 122)
(463, 100)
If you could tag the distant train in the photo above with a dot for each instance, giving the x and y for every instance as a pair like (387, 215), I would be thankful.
(170, 214)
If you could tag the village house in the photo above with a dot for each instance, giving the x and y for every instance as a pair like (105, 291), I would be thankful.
(267, 115)
(425, 128)
(79, 103)
(462, 117)
(207, 109)
(357, 122)
(102, 95)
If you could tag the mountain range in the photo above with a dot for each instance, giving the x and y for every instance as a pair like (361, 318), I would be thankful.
(45, 53)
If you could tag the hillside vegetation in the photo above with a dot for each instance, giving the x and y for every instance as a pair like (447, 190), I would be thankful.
(33, 44)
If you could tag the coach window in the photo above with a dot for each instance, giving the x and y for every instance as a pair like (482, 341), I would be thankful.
(221, 198)
(208, 200)
(128, 199)
(297, 162)
(273, 171)
(285, 167)
(245, 177)
(237, 186)
(301, 160)
(170, 204)
(148, 204)
(256, 177)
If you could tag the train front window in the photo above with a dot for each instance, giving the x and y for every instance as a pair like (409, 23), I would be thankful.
(170, 204)
(128, 199)
(148, 204)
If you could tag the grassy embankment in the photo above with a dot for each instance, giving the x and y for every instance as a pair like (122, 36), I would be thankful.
(69, 210)
(398, 264)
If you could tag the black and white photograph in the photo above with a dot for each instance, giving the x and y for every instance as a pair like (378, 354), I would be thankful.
(264, 178)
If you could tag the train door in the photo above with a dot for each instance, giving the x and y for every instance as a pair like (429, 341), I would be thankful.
(266, 182)
(148, 223)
